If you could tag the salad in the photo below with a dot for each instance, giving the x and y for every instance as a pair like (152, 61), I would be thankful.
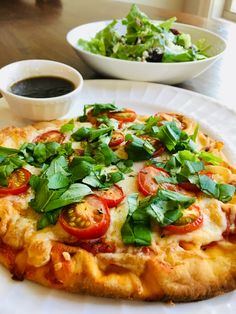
(145, 40)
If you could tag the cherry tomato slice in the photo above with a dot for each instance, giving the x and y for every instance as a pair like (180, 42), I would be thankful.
(50, 136)
(92, 119)
(146, 179)
(187, 223)
(116, 139)
(87, 220)
(17, 182)
(113, 196)
(124, 116)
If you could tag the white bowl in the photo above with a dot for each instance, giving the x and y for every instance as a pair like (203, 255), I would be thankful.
(168, 73)
(39, 108)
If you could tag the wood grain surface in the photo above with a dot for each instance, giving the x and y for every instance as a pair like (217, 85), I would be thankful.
(37, 29)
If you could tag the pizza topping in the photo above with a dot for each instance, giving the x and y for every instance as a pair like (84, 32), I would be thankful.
(113, 196)
(97, 246)
(191, 220)
(116, 139)
(50, 136)
(138, 149)
(18, 182)
(68, 127)
(146, 179)
(124, 116)
(164, 209)
(95, 110)
(89, 219)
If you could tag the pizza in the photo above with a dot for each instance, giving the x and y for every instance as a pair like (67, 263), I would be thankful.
(119, 205)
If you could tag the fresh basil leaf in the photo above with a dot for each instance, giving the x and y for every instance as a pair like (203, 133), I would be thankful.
(92, 181)
(208, 186)
(226, 192)
(48, 219)
(105, 155)
(90, 133)
(165, 179)
(58, 181)
(74, 194)
(115, 177)
(7, 166)
(125, 166)
(96, 133)
(136, 230)
(5, 171)
(81, 134)
(58, 165)
(191, 167)
(4, 151)
(169, 135)
(210, 158)
(80, 168)
(43, 196)
(222, 192)
(195, 133)
(101, 108)
(68, 127)
(138, 149)
(182, 199)
(132, 201)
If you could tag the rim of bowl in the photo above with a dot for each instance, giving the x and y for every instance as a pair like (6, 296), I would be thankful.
(78, 88)
(147, 63)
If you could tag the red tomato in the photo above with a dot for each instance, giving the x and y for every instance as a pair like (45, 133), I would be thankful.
(50, 136)
(116, 139)
(17, 182)
(113, 196)
(87, 220)
(189, 187)
(126, 115)
(146, 179)
(92, 119)
(187, 223)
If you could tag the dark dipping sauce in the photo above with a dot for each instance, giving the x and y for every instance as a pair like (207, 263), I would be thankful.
(42, 87)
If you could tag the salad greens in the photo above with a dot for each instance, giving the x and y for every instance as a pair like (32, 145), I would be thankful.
(145, 40)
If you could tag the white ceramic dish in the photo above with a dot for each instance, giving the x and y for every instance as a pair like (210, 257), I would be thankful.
(168, 73)
(26, 297)
(39, 108)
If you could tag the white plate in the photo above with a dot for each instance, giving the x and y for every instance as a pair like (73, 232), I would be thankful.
(26, 297)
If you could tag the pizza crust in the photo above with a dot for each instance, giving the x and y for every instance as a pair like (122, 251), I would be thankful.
(182, 268)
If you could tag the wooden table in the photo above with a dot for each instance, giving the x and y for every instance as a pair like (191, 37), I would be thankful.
(37, 29)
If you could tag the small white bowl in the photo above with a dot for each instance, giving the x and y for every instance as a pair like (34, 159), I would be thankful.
(167, 73)
(39, 108)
